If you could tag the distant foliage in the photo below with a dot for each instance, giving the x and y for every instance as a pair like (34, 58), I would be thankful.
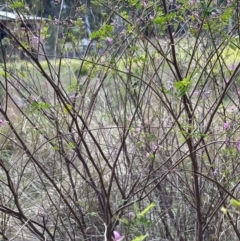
(119, 120)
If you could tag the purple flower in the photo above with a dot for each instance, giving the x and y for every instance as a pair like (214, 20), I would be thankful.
(110, 40)
(228, 142)
(131, 215)
(238, 146)
(195, 92)
(154, 148)
(32, 98)
(228, 2)
(170, 85)
(147, 155)
(231, 67)
(206, 93)
(215, 172)
(117, 236)
(233, 109)
(2, 122)
(137, 131)
(35, 40)
(73, 97)
(225, 125)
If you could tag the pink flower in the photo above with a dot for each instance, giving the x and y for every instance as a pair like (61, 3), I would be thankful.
(206, 94)
(73, 97)
(238, 146)
(35, 40)
(110, 40)
(137, 131)
(170, 85)
(2, 122)
(231, 67)
(225, 125)
(215, 172)
(32, 98)
(131, 215)
(147, 155)
(117, 236)
(228, 2)
(233, 109)
(154, 148)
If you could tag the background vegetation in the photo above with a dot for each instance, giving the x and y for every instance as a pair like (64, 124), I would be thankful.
(136, 137)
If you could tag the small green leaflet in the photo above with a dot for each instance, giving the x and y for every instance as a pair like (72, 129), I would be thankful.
(140, 238)
(146, 210)
(183, 86)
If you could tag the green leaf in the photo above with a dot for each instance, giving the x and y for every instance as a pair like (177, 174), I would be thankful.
(17, 5)
(150, 137)
(124, 15)
(146, 210)
(23, 74)
(134, 3)
(233, 43)
(140, 238)
(45, 32)
(183, 86)
(144, 221)
(73, 85)
(235, 203)
(40, 105)
(160, 20)
(79, 22)
(226, 15)
(139, 144)
(3, 73)
(105, 31)
(71, 145)
(67, 109)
